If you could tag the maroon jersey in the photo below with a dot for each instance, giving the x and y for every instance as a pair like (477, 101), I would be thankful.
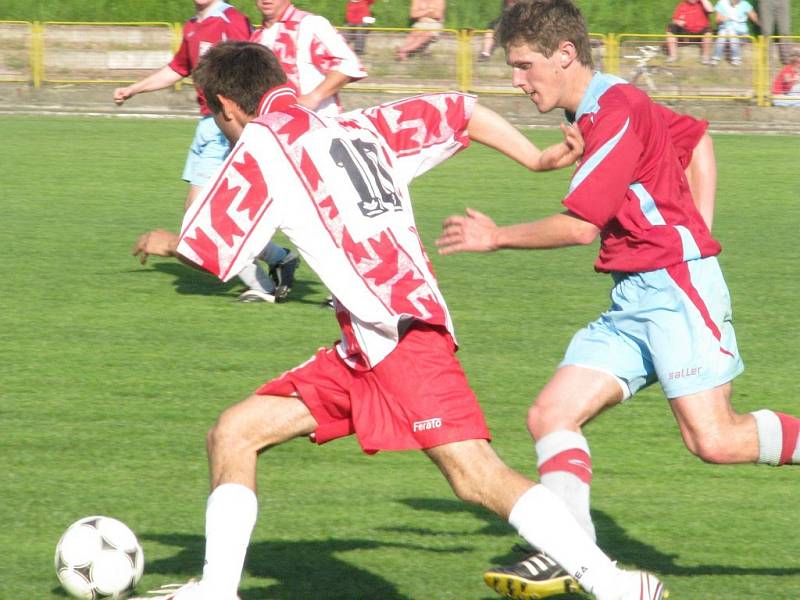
(222, 23)
(631, 183)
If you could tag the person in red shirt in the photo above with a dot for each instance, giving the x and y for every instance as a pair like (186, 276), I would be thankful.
(787, 81)
(359, 16)
(670, 319)
(214, 21)
(690, 18)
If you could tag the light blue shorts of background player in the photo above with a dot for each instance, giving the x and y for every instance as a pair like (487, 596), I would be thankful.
(207, 152)
(670, 325)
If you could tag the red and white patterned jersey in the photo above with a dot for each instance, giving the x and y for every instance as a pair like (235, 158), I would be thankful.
(308, 47)
(338, 189)
(223, 22)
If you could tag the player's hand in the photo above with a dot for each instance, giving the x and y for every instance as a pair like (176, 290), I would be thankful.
(159, 242)
(566, 153)
(122, 94)
(473, 232)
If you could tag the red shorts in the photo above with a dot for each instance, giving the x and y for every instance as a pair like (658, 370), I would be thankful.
(417, 397)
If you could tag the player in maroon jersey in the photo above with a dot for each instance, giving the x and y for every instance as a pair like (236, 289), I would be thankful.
(670, 320)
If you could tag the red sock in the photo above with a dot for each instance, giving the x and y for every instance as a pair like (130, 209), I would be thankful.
(790, 428)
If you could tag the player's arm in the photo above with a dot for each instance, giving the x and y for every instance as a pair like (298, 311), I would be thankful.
(333, 82)
(489, 128)
(476, 232)
(707, 6)
(157, 80)
(702, 176)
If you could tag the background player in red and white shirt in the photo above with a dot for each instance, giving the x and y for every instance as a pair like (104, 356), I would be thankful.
(670, 319)
(316, 58)
(338, 188)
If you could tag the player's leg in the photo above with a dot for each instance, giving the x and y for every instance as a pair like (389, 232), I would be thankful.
(234, 443)
(697, 358)
(275, 285)
(477, 475)
(240, 434)
(716, 433)
(568, 401)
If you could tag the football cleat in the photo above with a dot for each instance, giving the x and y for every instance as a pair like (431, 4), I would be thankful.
(283, 275)
(644, 586)
(180, 591)
(538, 576)
(256, 296)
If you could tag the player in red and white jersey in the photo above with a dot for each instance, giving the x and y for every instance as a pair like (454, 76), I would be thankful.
(338, 188)
(316, 58)
(670, 318)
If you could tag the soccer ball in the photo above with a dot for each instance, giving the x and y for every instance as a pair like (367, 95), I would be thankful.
(99, 557)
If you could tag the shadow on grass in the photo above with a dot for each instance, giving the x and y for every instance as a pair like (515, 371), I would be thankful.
(187, 280)
(612, 538)
(308, 569)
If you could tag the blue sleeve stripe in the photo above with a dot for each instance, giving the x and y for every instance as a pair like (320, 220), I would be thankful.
(590, 165)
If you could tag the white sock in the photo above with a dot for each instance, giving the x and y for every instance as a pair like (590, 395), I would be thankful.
(545, 522)
(230, 517)
(565, 465)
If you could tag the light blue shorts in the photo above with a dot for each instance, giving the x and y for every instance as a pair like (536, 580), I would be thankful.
(671, 325)
(207, 152)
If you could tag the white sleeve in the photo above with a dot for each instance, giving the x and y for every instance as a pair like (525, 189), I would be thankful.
(329, 50)
(235, 215)
(424, 130)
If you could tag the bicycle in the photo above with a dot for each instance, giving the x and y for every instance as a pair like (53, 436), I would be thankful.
(657, 81)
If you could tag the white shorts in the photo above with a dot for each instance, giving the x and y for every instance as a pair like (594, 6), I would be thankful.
(671, 325)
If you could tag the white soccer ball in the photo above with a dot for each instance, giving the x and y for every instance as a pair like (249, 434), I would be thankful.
(99, 557)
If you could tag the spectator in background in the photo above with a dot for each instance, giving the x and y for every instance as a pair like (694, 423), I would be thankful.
(427, 18)
(787, 82)
(690, 18)
(732, 16)
(776, 13)
(358, 14)
(488, 37)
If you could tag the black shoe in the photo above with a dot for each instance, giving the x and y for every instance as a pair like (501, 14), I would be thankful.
(283, 275)
(538, 576)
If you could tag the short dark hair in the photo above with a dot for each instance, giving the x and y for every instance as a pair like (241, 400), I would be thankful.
(240, 71)
(543, 25)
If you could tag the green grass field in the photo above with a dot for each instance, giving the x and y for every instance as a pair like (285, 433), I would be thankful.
(112, 373)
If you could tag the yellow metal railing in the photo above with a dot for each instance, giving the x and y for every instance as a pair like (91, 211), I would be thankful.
(83, 53)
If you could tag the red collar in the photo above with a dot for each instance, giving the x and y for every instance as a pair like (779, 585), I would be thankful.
(277, 99)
